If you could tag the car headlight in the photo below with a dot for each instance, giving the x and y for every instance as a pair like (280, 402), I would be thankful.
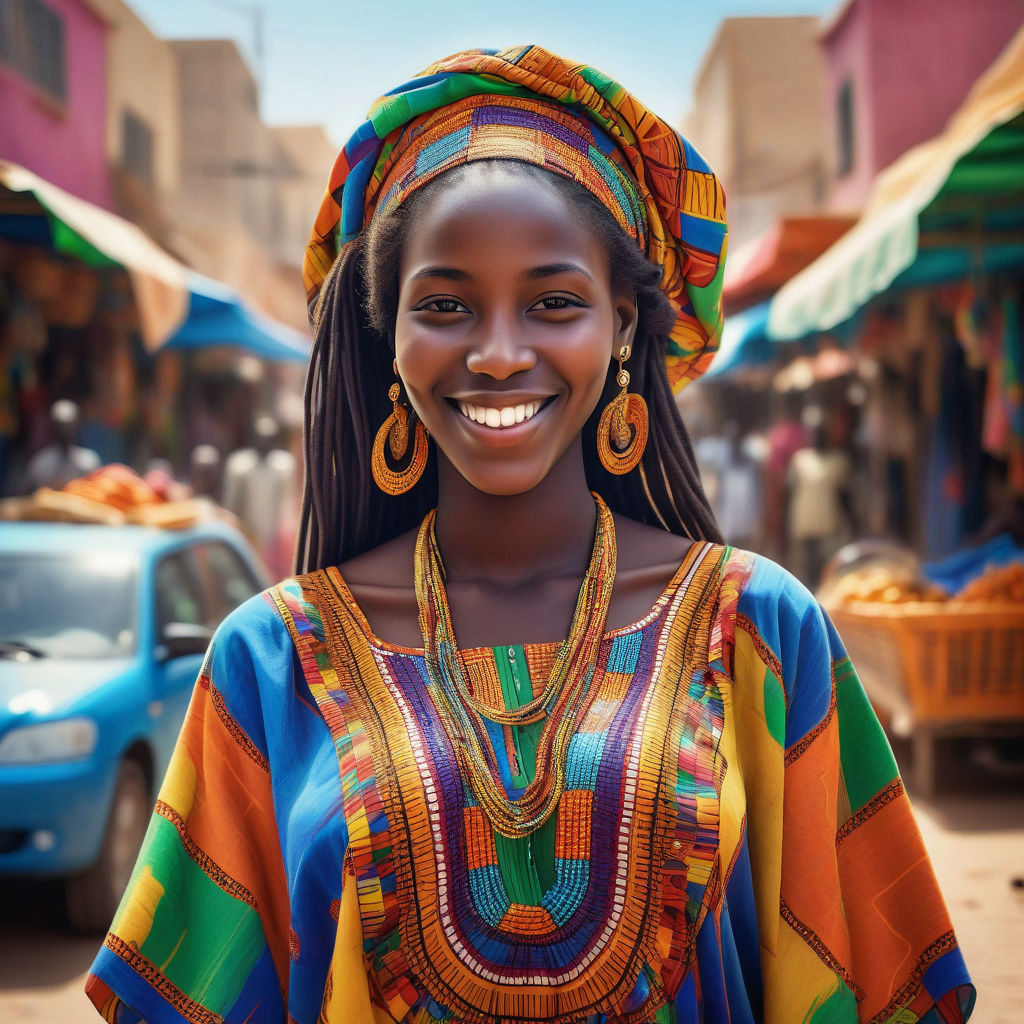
(65, 740)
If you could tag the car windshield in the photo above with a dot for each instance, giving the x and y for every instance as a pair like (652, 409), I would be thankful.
(68, 605)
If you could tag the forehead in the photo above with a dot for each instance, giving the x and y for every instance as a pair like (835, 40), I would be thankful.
(501, 205)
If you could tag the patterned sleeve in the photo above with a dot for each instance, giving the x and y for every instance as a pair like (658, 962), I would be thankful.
(202, 931)
(851, 923)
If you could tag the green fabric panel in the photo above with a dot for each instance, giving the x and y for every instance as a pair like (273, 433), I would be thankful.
(524, 882)
(774, 707)
(515, 692)
(199, 929)
(865, 756)
(397, 110)
(706, 300)
(839, 1008)
(71, 243)
(666, 1015)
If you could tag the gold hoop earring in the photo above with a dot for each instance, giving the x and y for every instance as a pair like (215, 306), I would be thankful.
(394, 433)
(622, 430)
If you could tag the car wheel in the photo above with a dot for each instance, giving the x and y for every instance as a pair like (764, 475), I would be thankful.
(93, 896)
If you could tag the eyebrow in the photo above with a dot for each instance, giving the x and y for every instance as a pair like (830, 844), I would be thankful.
(450, 273)
(550, 269)
(533, 274)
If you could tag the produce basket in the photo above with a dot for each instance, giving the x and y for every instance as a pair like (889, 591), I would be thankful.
(931, 664)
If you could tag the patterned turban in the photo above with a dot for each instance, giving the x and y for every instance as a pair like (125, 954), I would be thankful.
(526, 104)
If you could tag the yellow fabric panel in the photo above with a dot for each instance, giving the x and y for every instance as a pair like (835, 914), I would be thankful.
(796, 982)
(179, 785)
(134, 920)
(347, 995)
(761, 762)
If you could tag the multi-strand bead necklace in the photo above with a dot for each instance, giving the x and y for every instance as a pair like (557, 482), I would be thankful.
(562, 703)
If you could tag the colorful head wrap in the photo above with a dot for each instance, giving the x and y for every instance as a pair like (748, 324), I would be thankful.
(527, 104)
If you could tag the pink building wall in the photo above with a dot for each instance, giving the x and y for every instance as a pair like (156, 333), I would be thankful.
(912, 63)
(63, 143)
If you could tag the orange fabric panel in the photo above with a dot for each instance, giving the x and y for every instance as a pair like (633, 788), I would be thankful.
(232, 817)
(810, 874)
(899, 912)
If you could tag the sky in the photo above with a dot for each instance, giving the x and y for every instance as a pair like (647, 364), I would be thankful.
(325, 61)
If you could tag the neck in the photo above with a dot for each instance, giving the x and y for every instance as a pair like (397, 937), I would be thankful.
(513, 539)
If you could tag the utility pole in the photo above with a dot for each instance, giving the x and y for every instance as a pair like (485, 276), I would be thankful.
(256, 12)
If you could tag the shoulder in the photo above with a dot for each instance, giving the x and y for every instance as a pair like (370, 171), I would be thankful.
(782, 630)
(250, 659)
(253, 626)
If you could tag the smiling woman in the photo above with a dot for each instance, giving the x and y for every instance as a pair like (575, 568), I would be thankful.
(523, 741)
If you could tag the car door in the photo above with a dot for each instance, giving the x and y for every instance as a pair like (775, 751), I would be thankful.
(179, 600)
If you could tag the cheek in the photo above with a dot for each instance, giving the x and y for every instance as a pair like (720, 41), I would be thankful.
(423, 359)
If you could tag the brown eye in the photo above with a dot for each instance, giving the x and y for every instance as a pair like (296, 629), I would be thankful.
(441, 306)
(555, 303)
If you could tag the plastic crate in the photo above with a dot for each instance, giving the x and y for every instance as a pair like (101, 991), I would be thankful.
(939, 665)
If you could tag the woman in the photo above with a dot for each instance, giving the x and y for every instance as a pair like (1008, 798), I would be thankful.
(435, 777)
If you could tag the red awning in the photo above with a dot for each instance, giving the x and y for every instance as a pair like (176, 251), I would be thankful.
(763, 265)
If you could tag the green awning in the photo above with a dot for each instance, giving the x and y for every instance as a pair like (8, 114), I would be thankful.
(945, 209)
(100, 238)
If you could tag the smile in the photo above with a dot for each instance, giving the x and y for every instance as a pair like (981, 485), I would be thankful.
(506, 416)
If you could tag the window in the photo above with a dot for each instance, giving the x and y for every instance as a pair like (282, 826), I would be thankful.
(227, 580)
(8, 30)
(137, 147)
(178, 597)
(844, 125)
(32, 42)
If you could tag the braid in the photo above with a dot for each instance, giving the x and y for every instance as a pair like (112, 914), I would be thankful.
(343, 512)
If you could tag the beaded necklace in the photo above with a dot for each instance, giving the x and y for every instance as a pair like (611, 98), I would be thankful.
(563, 702)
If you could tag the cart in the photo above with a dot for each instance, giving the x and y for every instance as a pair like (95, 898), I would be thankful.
(938, 670)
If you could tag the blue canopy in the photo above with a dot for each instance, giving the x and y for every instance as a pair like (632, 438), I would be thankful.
(744, 341)
(218, 315)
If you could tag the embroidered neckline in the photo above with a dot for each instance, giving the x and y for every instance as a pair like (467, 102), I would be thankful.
(694, 554)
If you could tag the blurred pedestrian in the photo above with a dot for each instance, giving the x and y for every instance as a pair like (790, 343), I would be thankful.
(740, 506)
(820, 508)
(259, 487)
(785, 439)
(205, 472)
(62, 460)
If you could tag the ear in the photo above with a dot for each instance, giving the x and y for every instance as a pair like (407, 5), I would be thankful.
(626, 319)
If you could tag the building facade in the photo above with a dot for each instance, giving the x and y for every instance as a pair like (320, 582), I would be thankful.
(143, 126)
(895, 72)
(757, 118)
(53, 92)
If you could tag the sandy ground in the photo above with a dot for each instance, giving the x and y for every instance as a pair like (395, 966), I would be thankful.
(976, 843)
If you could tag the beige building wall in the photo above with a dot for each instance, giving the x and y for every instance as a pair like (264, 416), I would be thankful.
(142, 84)
(234, 175)
(230, 161)
(310, 156)
(758, 119)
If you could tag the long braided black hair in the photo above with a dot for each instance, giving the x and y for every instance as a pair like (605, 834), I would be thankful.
(350, 371)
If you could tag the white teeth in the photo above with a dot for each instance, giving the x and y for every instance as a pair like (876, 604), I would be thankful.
(508, 416)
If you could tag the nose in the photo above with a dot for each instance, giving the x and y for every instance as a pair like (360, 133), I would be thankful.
(500, 351)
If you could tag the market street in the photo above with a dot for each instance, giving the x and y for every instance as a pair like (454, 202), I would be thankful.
(976, 843)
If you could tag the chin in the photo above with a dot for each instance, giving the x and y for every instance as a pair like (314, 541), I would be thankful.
(503, 481)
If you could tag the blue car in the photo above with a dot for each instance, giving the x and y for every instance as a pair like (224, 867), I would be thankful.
(102, 634)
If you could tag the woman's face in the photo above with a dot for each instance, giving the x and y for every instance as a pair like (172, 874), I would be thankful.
(506, 325)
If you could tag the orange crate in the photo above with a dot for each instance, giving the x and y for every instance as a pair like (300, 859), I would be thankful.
(939, 664)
